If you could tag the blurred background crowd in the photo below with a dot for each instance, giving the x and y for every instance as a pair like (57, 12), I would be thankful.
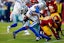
(6, 7)
(5, 10)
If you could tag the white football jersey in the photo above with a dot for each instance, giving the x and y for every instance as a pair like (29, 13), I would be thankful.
(33, 8)
(19, 5)
(17, 8)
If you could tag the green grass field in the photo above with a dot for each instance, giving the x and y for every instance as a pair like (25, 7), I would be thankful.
(8, 38)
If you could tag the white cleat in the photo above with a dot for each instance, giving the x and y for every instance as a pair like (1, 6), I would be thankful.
(27, 33)
(41, 32)
(37, 38)
(8, 29)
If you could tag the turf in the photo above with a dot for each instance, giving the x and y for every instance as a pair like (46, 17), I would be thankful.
(20, 38)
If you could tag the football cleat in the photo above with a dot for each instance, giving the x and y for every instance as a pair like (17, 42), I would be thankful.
(8, 29)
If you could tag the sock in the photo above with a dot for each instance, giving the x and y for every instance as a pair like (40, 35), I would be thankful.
(44, 36)
(13, 25)
(23, 28)
(36, 33)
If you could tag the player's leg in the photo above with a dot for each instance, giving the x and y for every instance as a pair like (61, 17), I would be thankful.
(54, 25)
(14, 23)
(37, 32)
(20, 18)
(15, 32)
(60, 29)
(38, 35)
(44, 36)
(24, 27)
